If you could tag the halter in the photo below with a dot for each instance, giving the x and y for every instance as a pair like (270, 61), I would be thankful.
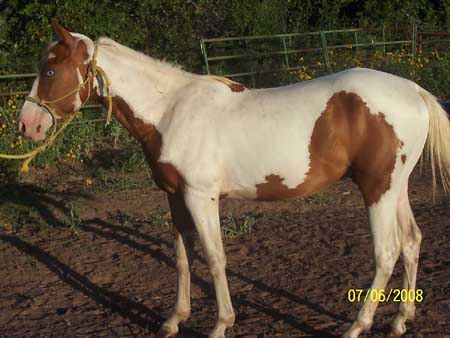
(94, 70)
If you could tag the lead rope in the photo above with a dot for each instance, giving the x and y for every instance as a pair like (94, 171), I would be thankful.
(93, 71)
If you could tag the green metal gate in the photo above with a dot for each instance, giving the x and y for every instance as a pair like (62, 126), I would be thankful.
(248, 58)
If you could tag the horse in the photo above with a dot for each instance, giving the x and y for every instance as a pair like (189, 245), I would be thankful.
(207, 138)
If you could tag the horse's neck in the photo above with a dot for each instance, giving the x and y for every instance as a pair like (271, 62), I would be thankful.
(148, 87)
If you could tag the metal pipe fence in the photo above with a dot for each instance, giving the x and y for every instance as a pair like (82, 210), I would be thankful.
(246, 57)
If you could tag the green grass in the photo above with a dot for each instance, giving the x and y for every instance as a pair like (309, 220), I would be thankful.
(321, 198)
(234, 227)
(72, 218)
(152, 220)
(13, 216)
(106, 181)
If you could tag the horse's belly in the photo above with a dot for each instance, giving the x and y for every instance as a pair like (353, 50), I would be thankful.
(281, 160)
(274, 185)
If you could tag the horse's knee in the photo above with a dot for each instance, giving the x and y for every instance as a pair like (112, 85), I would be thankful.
(217, 264)
(411, 247)
(386, 260)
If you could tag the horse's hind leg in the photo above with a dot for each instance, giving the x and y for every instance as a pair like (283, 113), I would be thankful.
(386, 244)
(410, 237)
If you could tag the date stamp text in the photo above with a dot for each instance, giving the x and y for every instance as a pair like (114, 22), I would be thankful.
(382, 296)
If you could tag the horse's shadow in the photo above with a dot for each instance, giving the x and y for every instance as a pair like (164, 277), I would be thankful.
(123, 235)
(45, 202)
(137, 313)
(40, 199)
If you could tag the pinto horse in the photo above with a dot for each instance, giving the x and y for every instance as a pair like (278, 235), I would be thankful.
(208, 137)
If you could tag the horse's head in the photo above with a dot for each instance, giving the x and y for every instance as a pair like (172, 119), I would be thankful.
(60, 87)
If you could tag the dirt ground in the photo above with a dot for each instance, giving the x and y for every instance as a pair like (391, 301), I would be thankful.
(96, 260)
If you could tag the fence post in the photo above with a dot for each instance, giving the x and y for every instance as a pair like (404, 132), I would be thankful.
(384, 39)
(205, 55)
(325, 50)
(285, 52)
(414, 40)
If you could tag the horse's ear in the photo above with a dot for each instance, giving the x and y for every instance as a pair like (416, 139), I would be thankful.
(62, 33)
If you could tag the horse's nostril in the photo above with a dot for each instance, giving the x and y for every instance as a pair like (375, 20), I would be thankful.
(38, 129)
(22, 127)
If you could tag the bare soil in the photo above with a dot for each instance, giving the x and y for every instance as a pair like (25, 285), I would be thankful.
(97, 261)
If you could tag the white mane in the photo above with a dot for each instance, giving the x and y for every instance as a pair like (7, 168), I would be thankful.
(139, 57)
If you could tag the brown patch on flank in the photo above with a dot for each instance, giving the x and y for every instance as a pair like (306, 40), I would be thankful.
(165, 175)
(233, 85)
(347, 139)
(404, 158)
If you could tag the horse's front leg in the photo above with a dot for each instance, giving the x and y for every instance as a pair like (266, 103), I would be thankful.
(204, 208)
(184, 227)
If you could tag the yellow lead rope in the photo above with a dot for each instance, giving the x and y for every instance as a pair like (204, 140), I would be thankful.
(94, 69)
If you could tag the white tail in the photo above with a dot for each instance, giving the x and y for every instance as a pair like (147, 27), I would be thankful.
(438, 142)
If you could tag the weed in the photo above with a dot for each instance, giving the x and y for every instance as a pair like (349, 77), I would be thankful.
(14, 216)
(320, 198)
(123, 266)
(130, 159)
(233, 228)
(157, 220)
(72, 218)
(107, 181)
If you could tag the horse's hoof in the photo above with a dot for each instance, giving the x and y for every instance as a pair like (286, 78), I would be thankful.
(167, 331)
(216, 335)
(394, 334)
(398, 328)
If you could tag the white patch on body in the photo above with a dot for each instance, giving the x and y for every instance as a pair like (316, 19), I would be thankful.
(77, 100)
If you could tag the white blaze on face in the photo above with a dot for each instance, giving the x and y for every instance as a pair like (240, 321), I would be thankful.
(33, 119)
(77, 100)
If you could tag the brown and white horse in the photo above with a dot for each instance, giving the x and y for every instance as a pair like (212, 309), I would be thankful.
(207, 137)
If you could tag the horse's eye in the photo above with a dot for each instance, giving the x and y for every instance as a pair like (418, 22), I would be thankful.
(49, 73)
